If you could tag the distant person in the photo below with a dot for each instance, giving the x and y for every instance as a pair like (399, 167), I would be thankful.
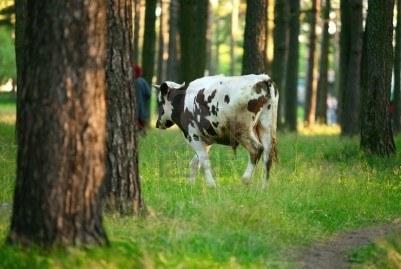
(143, 93)
(332, 104)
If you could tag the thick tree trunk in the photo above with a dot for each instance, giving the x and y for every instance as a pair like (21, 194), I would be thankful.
(350, 65)
(233, 34)
(62, 121)
(193, 24)
(173, 44)
(311, 80)
(397, 71)
(163, 42)
(377, 60)
(149, 40)
(291, 82)
(280, 34)
(137, 26)
(122, 178)
(254, 58)
(322, 85)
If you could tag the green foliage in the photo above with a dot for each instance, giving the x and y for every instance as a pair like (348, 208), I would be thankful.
(7, 55)
(321, 185)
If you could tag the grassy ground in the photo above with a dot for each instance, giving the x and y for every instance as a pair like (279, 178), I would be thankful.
(321, 185)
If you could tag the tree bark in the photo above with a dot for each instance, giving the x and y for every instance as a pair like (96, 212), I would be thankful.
(149, 40)
(311, 81)
(163, 42)
(122, 178)
(173, 44)
(137, 26)
(291, 82)
(233, 34)
(377, 60)
(397, 71)
(322, 85)
(193, 26)
(254, 58)
(61, 121)
(350, 65)
(280, 35)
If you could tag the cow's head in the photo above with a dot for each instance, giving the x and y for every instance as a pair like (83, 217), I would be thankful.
(164, 103)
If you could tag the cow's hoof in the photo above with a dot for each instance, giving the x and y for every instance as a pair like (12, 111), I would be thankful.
(191, 181)
(211, 184)
(246, 180)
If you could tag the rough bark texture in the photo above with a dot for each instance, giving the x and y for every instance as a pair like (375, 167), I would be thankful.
(137, 25)
(397, 71)
(377, 62)
(322, 85)
(149, 41)
(311, 80)
(173, 72)
(280, 34)
(193, 24)
(163, 42)
(254, 58)
(350, 65)
(122, 178)
(61, 121)
(291, 81)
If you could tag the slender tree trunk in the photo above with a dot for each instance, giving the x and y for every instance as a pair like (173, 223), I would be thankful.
(350, 65)
(209, 42)
(137, 26)
(291, 82)
(122, 178)
(311, 80)
(397, 71)
(280, 34)
(149, 41)
(322, 85)
(377, 60)
(233, 34)
(254, 58)
(173, 44)
(193, 38)
(62, 125)
(163, 42)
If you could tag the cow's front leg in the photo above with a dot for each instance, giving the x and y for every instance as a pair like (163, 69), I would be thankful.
(202, 153)
(193, 169)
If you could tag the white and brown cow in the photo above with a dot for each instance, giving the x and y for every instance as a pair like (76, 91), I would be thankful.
(223, 110)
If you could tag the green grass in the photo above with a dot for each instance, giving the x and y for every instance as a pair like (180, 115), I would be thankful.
(321, 185)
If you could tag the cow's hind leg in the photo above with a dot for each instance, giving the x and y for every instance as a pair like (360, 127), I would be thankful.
(255, 150)
(193, 169)
(202, 155)
(267, 138)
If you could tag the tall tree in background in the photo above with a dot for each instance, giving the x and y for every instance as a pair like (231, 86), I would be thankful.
(350, 65)
(280, 36)
(291, 81)
(233, 33)
(311, 82)
(254, 58)
(149, 40)
(323, 84)
(163, 42)
(137, 25)
(397, 71)
(193, 23)
(377, 61)
(122, 178)
(173, 44)
(61, 122)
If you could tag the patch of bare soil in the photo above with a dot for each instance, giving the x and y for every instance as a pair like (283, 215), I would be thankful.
(332, 253)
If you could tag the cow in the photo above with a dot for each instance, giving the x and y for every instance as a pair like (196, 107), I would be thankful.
(238, 110)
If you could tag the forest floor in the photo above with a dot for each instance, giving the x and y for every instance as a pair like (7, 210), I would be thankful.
(321, 188)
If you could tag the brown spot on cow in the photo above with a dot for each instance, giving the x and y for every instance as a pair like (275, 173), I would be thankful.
(255, 105)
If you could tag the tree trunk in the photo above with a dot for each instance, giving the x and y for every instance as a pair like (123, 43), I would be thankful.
(280, 34)
(173, 44)
(322, 85)
(163, 42)
(62, 120)
(233, 34)
(149, 41)
(350, 65)
(311, 81)
(209, 42)
(291, 82)
(377, 60)
(193, 38)
(254, 58)
(122, 178)
(397, 71)
(137, 26)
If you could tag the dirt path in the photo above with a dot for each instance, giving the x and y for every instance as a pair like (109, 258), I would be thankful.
(333, 252)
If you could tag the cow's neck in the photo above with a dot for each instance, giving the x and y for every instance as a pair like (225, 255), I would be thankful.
(178, 102)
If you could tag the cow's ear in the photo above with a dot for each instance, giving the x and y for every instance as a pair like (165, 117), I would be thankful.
(164, 88)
